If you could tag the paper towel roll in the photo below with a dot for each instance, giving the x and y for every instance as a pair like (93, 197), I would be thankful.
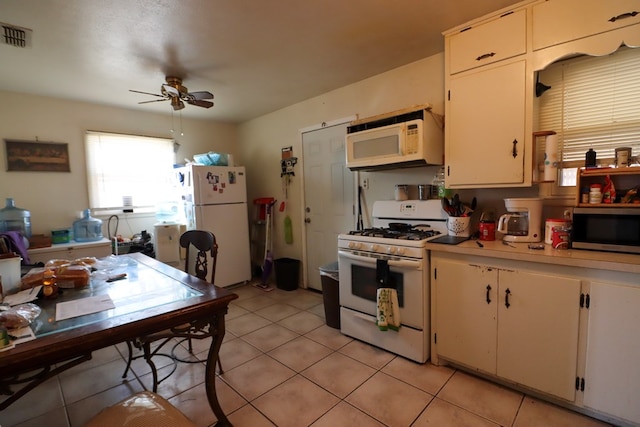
(551, 158)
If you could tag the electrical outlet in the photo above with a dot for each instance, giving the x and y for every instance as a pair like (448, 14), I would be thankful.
(365, 183)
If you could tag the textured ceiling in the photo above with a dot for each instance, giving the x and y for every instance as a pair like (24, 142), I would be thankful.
(254, 56)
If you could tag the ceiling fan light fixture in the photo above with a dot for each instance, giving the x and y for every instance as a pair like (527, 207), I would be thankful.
(177, 104)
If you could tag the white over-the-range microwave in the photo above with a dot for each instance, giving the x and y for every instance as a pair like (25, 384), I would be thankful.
(408, 138)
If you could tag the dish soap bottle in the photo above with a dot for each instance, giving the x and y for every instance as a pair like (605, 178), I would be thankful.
(87, 228)
(438, 182)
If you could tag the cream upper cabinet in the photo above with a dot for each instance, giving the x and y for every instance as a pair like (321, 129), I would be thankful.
(561, 21)
(485, 143)
(612, 377)
(522, 326)
(486, 43)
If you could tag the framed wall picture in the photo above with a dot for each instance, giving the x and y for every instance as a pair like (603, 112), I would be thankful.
(36, 156)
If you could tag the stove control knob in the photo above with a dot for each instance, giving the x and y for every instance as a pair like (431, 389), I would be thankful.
(374, 247)
(354, 245)
(392, 250)
(401, 251)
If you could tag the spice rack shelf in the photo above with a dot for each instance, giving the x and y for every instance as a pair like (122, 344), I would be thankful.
(624, 179)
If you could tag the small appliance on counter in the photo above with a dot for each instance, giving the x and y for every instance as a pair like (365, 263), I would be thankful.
(523, 222)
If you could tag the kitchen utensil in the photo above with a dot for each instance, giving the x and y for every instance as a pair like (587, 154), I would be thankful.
(504, 242)
(456, 204)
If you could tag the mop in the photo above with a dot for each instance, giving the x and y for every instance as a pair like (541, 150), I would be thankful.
(268, 252)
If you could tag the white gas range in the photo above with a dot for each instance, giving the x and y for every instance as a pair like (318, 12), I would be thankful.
(401, 230)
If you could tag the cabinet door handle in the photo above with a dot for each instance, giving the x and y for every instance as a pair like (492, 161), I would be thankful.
(488, 289)
(488, 55)
(624, 15)
(506, 298)
(515, 149)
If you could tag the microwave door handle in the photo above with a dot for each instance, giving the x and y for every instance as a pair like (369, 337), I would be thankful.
(416, 265)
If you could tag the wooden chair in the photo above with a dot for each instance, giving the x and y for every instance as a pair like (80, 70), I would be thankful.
(205, 243)
(144, 409)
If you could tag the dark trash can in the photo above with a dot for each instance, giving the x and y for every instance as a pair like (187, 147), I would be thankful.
(329, 278)
(287, 273)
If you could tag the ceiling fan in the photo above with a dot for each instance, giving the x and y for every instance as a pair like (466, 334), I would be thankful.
(176, 93)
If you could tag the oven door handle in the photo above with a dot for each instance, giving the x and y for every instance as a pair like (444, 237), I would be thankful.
(402, 263)
(364, 317)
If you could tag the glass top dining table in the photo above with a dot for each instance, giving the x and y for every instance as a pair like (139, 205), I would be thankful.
(153, 297)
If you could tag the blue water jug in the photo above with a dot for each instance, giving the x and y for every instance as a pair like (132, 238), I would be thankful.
(87, 228)
(15, 219)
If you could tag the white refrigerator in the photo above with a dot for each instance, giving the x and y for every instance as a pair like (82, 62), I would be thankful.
(215, 199)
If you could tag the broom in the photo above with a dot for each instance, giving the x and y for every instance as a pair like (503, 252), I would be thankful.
(268, 256)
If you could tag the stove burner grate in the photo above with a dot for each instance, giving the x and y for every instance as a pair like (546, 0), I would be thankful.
(386, 233)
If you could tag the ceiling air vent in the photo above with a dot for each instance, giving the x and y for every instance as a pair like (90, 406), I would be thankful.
(16, 36)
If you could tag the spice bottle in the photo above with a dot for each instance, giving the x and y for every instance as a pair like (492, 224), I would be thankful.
(590, 159)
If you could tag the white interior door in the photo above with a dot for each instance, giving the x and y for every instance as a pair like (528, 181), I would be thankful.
(328, 197)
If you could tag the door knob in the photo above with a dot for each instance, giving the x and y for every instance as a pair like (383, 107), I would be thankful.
(307, 220)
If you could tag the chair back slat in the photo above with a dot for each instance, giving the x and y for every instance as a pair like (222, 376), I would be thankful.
(203, 241)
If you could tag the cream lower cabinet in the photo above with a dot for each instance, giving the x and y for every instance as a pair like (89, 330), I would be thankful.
(71, 251)
(520, 326)
(612, 376)
(485, 139)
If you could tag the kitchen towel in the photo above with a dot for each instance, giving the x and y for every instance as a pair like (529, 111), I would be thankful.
(388, 312)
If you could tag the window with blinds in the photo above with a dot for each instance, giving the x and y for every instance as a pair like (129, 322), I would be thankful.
(594, 102)
(128, 166)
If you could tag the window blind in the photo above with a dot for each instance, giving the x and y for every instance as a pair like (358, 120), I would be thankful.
(133, 166)
(594, 102)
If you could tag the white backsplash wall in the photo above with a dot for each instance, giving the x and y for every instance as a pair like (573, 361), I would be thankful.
(381, 186)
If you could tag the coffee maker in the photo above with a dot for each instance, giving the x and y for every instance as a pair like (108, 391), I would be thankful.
(523, 220)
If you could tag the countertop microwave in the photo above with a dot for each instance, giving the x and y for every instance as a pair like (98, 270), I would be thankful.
(395, 140)
(612, 229)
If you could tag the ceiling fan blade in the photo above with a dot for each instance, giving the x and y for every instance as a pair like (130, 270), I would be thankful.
(200, 95)
(146, 93)
(200, 103)
(154, 100)
(170, 90)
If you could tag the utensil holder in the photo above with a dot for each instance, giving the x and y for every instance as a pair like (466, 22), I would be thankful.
(459, 226)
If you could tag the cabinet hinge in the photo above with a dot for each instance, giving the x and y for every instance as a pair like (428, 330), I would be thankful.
(448, 95)
(435, 273)
(435, 338)
(579, 384)
(506, 14)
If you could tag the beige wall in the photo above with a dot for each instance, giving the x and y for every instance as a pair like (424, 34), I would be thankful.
(262, 138)
(55, 199)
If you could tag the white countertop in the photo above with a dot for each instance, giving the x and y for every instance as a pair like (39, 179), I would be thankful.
(72, 244)
(628, 263)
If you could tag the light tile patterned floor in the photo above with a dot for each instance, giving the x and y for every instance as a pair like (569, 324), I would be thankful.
(285, 367)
